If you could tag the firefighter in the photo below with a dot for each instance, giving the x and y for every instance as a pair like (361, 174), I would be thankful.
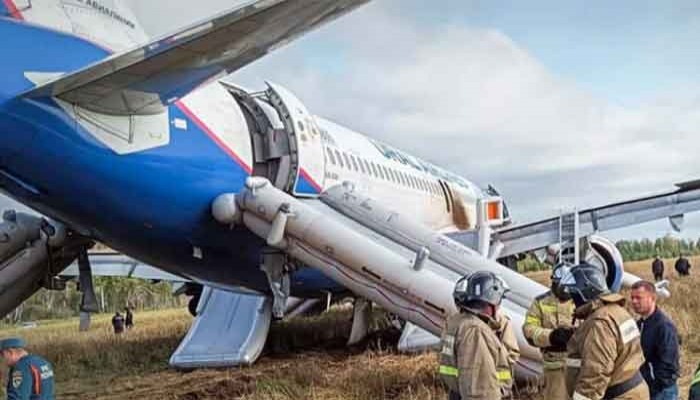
(548, 326)
(474, 362)
(605, 352)
(30, 376)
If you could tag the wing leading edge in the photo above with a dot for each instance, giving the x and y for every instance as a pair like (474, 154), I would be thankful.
(143, 80)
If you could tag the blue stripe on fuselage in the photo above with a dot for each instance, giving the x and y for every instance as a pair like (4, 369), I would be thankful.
(304, 186)
(153, 205)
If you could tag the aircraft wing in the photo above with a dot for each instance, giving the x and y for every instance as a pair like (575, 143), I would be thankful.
(143, 80)
(537, 235)
(120, 265)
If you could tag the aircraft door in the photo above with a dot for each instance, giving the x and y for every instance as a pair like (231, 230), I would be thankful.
(308, 161)
(447, 194)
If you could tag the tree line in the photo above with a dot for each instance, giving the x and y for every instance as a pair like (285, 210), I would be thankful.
(666, 247)
(113, 294)
(633, 250)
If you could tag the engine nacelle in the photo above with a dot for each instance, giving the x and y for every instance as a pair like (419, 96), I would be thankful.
(603, 253)
(24, 253)
(22, 275)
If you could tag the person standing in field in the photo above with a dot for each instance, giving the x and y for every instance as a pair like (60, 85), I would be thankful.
(657, 268)
(118, 323)
(129, 320)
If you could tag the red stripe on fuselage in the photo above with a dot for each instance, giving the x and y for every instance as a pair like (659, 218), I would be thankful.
(13, 10)
(309, 179)
(213, 136)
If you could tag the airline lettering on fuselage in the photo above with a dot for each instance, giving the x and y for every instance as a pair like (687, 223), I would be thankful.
(108, 12)
(423, 166)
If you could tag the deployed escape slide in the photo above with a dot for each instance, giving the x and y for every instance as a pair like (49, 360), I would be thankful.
(405, 267)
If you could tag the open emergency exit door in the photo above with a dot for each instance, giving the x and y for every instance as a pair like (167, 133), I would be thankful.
(306, 145)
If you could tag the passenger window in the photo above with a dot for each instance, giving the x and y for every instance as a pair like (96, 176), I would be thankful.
(374, 170)
(381, 173)
(404, 181)
(340, 159)
(354, 162)
(369, 171)
(330, 155)
(362, 166)
(347, 160)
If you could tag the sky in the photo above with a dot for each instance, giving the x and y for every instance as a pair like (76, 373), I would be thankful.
(557, 104)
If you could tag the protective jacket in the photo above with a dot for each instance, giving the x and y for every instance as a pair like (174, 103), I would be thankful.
(546, 314)
(473, 361)
(605, 353)
(506, 334)
(31, 379)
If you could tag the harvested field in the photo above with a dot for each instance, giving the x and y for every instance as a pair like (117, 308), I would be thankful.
(304, 359)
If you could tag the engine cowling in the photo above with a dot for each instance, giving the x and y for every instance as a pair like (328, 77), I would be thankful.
(24, 254)
(603, 253)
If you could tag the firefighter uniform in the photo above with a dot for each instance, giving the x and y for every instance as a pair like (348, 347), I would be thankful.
(30, 379)
(473, 361)
(546, 314)
(506, 334)
(605, 353)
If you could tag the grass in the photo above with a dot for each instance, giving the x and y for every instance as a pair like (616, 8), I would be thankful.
(304, 359)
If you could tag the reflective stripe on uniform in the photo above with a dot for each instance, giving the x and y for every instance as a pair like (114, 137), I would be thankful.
(36, 376)
(578, 396)
(552, 364)
(531, 319)
(696, 378)
(449, 371)
(503, 375)
(548, 309)
(538, 332)
(573, 362)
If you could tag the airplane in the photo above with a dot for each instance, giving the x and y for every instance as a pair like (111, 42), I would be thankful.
(144, 146)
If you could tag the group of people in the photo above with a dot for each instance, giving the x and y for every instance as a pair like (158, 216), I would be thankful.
(123, 322)
(682, 267)
(592, 347)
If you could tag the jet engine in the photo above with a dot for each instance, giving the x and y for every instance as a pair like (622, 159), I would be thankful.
(25, 257)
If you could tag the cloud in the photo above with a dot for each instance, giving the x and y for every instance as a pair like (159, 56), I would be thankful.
(477, 102)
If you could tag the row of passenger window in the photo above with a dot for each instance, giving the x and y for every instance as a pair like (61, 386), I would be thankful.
(361, 165)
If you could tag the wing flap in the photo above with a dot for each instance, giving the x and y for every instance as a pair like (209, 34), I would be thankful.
(144, 80)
